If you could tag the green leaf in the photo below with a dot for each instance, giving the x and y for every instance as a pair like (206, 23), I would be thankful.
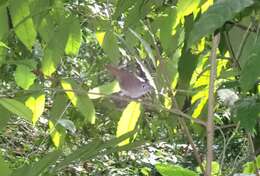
(4, 22)
(22, 21)
(146, 45)
(59, 105)
(169, 170)
(186, 7)
(67, 124)
(108, 41)
(38, 168)
(251, 71)
(17, 108)
(24, 77)
(104, 90)
(247, 111)
(56, 44)
(3, 33)
(186, 66)
(128, 120)
(5, 116)
(36, 103)
(121, 7)
(167, 26)
(4, 167)
(213, 18)
(39, 9)
(79, 98)
(57, 133)
(74, 38)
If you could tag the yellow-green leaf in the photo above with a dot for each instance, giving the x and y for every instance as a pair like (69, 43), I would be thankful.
(17, 108)
(128, 120)
(74, 37)
(104, 90)
(79, 99)
(57, 134)
(36, 103)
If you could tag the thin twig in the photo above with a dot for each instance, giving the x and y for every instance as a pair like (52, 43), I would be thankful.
(252, 153)
(211, 103)
(243, 42)
(225, 147)
(231, 51)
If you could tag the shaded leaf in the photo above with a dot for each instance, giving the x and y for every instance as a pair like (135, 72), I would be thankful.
(167, 25)
(4, 167)
(79, 99)
(251, 71)
(5, 116)
(24, 76)
(38, 167)
(121, 7)
(17, 108)
(4, 22)
(146, 46)
(213, 18)
(22, 21)
(128, 120)
(247, 111)
(67, 124)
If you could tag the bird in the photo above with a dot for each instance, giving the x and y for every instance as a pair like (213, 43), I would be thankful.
(131, 85)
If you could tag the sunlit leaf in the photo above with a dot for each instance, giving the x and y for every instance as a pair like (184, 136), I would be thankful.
(169, 170)
(213, 18)
(128, 120)
(74, 38)
(57, 134)
(79, 99)
(57, 111)
(22, 21)
(24, 76)
(100, 37)
(36, 103)
(104, 90)
(108, 42)
(60, 34)
(186, 7)
(17, 108)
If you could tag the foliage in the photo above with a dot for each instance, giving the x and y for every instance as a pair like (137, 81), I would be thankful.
(54, 85)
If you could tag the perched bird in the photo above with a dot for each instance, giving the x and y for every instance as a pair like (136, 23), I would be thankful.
(130, 84)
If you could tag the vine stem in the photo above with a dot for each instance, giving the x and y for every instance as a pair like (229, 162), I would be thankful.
(211, 102)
